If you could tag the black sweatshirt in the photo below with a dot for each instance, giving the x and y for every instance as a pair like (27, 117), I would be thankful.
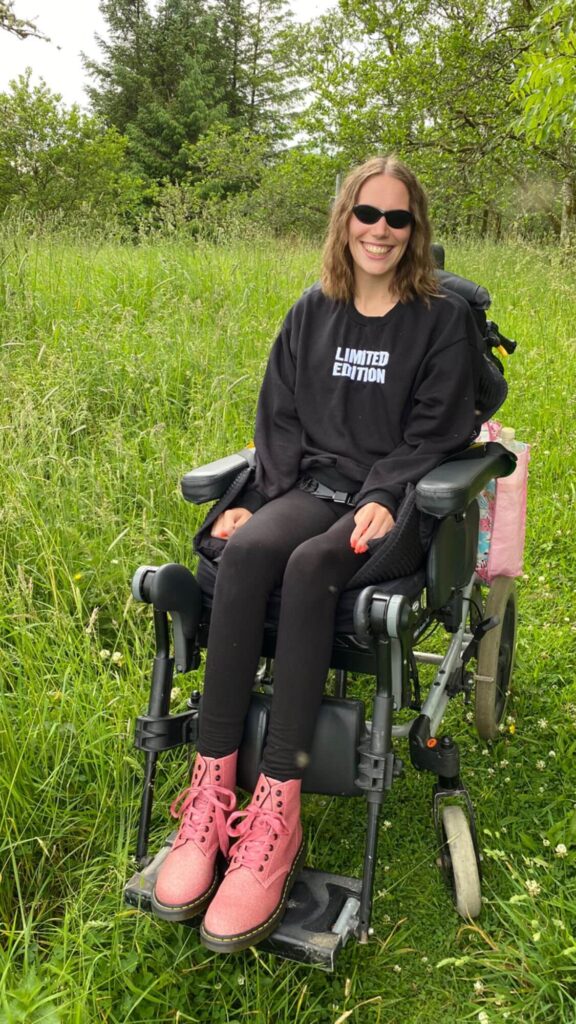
(364, 404)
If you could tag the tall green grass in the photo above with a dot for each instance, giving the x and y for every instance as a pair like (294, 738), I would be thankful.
(121, 368)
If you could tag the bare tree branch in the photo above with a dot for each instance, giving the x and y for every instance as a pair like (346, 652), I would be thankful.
(17, 26)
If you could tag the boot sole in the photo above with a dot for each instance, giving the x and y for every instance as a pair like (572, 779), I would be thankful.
(243, 940)
(185, 911)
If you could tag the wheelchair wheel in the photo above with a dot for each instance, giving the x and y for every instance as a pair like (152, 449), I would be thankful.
(496, 657)
(459, 862)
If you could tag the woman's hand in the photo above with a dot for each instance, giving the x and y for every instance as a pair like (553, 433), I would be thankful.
(229, 521)
(372, 521)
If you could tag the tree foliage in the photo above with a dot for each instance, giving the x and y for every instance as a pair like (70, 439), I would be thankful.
(229, 105)
(546, 79)
(430, 80)
(168, 78)
(54, 159)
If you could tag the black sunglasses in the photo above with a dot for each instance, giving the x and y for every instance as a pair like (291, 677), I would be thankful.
(394, 218)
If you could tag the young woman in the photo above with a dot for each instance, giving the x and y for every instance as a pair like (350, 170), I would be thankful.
(369, 385)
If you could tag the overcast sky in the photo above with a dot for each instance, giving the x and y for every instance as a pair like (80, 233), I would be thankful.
(71, 27)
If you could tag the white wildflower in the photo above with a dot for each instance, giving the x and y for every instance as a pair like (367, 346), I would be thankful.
(551, 753)
(545, 842)
(542, 723)
(560, 850)
(533, 887)
(117, 658)
(483, 1017)
(104, 653)
(540, 765)
(397, 969)
(504, 763)
(478, 987)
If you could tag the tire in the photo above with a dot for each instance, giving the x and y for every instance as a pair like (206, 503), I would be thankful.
(496, 657)
(459, 862)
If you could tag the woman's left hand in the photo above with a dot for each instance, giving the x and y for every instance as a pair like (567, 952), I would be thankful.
(372, 521)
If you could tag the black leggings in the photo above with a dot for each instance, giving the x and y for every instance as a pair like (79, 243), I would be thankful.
(302, 544)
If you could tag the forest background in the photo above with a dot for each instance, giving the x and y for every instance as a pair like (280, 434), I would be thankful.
(205, 113)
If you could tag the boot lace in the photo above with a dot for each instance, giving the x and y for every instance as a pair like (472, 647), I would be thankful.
(200, 807)
(258, 832)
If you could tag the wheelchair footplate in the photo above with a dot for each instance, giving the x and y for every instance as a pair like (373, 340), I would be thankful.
(320, 917)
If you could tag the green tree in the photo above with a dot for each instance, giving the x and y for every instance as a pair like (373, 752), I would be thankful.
(431, 81)
(121, 76)
(545, 85)
(54, 159)
(167, 78)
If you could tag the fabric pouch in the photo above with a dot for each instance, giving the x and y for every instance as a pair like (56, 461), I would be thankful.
(506, 551)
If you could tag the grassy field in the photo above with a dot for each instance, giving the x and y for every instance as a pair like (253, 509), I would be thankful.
(121, 368)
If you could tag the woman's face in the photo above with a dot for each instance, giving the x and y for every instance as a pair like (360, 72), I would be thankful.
(377, 249)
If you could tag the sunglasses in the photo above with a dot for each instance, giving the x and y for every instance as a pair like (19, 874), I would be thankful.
(394, 218)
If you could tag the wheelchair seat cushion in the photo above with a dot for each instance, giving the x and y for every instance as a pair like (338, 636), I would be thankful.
(400, 553)
(409, 586)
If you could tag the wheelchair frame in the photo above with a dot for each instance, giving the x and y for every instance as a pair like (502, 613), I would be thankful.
(351, 756)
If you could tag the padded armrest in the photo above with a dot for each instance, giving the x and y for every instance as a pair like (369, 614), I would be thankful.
(449, 489)
(209, 482)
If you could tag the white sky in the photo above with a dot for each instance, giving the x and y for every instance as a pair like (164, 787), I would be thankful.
(71, 26)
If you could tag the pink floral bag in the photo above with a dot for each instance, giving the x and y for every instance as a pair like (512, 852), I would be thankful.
(503, 516)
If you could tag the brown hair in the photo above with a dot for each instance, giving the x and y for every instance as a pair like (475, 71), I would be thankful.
(415, 272)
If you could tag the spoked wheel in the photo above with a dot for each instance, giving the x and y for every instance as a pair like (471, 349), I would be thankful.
(459, 862)
(496, 657)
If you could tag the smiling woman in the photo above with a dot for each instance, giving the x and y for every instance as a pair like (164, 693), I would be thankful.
(377, 248)
(369, 385)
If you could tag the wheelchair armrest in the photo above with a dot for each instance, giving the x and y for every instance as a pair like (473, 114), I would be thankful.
(209, 482)
(450, 487)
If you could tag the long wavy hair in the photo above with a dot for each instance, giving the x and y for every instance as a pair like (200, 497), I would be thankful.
(415, 272)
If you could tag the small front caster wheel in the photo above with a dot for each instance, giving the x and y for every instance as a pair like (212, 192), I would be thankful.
(459, 862)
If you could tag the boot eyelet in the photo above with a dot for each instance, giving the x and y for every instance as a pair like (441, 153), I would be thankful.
(278, 792)
(266, 857)
(217, 767)
(202, 839)
(261, 789)
(279, 804)
(261, 868)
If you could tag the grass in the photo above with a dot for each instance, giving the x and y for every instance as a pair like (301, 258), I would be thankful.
(121, 368)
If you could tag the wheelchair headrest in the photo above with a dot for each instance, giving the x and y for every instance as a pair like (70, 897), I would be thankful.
(477, 296)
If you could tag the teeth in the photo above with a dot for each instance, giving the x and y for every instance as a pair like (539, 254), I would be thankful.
(377, 249)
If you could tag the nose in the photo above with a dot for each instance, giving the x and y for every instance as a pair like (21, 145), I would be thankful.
(381, 227)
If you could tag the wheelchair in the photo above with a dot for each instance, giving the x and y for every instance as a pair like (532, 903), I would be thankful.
(379, 631)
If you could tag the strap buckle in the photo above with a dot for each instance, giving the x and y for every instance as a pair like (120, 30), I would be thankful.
(342, 498)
